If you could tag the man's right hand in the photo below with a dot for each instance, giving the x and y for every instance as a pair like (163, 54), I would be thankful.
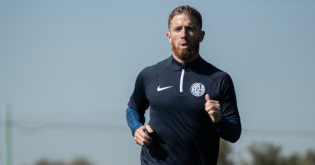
(141, 137)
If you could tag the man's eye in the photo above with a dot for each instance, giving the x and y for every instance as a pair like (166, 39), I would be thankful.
(178, 29)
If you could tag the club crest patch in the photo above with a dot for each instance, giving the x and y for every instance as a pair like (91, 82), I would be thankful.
(197, 89)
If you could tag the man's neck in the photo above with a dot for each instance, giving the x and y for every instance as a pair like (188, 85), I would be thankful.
(193, 58)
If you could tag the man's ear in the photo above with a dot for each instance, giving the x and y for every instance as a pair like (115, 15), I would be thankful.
(202, 35)
(168, 34)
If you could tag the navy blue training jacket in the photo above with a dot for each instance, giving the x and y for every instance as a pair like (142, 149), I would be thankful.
(183, 131)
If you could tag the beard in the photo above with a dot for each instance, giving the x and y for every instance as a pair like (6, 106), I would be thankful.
(185, 54)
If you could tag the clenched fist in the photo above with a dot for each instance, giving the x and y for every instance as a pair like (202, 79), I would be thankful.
(141, 137)
(213, 108)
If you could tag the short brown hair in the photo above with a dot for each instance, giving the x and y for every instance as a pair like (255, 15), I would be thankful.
(185, 10)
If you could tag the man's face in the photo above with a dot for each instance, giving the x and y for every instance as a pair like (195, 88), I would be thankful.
(185, 36)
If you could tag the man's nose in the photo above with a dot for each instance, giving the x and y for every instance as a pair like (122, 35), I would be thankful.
(183, 33)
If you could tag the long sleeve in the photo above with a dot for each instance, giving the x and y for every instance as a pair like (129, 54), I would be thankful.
(135, 119)
(229, 127)
(137, 104)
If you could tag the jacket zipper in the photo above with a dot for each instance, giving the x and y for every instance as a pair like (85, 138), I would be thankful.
(182, 79)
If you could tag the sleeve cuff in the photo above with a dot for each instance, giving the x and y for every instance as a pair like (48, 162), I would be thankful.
(221, 124)
(137, 126)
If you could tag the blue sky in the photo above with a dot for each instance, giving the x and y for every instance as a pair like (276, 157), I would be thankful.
(76, 62)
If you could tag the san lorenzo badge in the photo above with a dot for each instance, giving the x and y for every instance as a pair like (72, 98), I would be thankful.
(197, 89)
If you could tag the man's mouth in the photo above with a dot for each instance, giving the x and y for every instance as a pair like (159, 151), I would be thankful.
(184, 45)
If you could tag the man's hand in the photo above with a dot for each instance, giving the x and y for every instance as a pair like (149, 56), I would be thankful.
(141, 137)
(213, 108)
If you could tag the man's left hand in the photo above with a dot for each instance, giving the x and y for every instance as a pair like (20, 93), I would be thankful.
(213, 108)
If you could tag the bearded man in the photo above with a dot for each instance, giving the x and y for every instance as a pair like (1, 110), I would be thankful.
(192, 103)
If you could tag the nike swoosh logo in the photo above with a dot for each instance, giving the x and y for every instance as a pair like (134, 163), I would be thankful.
(160, 89)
